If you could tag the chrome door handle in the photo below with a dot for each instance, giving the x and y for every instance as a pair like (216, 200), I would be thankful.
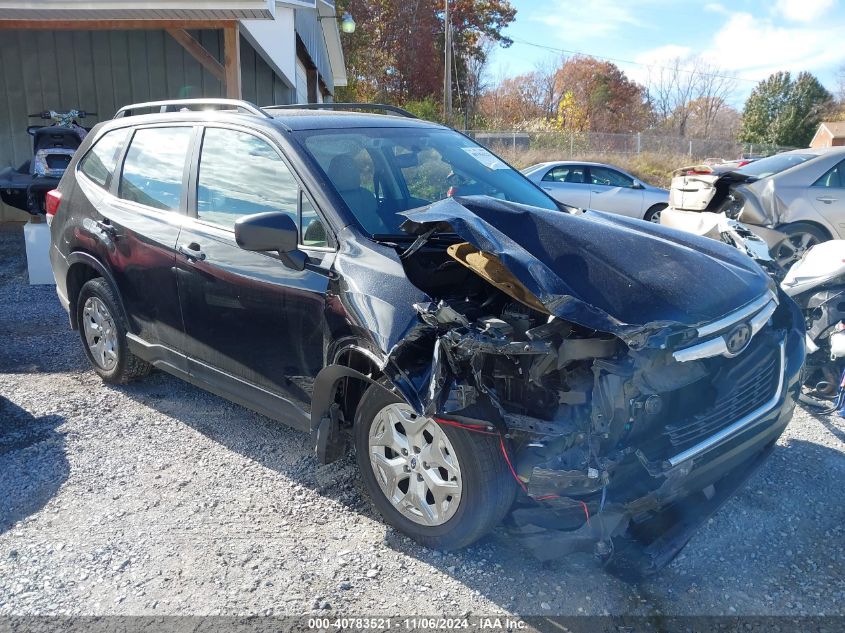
(191, 251)
(826, 199)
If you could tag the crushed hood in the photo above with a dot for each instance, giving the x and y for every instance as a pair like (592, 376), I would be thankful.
(636, 280)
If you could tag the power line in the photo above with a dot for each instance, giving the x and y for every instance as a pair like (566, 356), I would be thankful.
(628, 61)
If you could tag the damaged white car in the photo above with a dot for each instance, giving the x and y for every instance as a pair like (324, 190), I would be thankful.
(791, 200)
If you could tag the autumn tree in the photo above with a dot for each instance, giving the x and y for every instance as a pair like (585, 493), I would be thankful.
(396, 53)
(514, 101)
(785, 112)
(608, 99)
(711, 117)
(571, 117)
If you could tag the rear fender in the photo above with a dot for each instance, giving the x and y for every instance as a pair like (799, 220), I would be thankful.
(77, 258)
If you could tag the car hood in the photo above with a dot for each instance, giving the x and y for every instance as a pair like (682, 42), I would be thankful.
(637, 280)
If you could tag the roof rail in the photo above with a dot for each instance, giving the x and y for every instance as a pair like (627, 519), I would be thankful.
(177, 104)
(343, 106)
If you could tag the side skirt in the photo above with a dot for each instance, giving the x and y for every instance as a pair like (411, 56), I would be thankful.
(221, 383)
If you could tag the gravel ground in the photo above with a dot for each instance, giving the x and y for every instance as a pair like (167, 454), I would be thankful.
(160, 499)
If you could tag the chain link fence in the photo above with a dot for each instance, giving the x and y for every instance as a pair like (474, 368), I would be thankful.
(564, 145)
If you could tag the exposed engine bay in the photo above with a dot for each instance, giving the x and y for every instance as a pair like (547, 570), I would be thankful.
(592, 422)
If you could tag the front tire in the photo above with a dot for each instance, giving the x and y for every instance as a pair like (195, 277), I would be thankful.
(442, 486)
(103, 329)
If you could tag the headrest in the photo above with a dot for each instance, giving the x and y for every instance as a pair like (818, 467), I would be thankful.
(345, 173)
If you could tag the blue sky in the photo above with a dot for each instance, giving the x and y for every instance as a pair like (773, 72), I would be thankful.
(748, 38)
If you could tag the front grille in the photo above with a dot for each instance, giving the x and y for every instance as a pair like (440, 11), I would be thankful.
(741, 388)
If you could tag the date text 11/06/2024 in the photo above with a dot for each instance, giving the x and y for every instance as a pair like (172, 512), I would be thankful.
(417, 623)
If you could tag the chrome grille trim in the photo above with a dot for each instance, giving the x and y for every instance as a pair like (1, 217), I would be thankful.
(738, 426)
(739, 315)
(756, 314)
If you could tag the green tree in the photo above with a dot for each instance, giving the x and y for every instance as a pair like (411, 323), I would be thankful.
(785, 112)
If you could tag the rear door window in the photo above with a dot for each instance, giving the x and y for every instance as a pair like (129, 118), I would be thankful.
(100, 161)
(154, 167)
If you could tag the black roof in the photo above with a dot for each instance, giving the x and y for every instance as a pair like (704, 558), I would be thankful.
(305, 119)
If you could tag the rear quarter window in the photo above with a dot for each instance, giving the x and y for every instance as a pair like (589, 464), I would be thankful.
(100, 161)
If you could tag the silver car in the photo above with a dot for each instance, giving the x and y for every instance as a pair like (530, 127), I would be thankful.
(792, 200)
(600, 187)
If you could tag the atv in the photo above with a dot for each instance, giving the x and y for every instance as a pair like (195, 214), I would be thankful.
(53, 146)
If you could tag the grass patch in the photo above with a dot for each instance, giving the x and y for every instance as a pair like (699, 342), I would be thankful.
(654, 169)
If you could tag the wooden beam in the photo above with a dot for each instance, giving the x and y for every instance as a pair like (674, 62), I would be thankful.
(232, 64)
(198, 52)
(112, 25)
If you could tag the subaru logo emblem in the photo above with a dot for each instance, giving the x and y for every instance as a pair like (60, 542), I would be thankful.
(413, 462)
(738, 339)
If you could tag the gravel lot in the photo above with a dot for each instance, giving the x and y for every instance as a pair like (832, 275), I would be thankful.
(160, 499)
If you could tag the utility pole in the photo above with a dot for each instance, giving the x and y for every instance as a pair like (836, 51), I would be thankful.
(447, 75)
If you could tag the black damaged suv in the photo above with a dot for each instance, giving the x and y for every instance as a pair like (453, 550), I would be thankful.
(386, 282)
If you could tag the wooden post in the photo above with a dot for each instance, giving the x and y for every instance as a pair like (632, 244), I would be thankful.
(232, 63)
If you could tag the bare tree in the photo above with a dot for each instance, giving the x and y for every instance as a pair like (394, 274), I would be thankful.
(688, 87)
(546, 86)
(476, 81)
(841, 91)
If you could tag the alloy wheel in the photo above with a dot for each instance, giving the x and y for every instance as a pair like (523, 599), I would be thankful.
(415, 465)
(100, 333)
(793, 248)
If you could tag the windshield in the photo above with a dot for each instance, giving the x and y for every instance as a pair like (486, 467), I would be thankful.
(773, 164)
(380, 172)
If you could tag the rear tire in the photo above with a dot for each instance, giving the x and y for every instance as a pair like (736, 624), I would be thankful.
(653, 214)
(485, 488)
(801, 237)
(103, 328)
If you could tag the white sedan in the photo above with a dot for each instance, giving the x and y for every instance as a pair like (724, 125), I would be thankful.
(599, 187)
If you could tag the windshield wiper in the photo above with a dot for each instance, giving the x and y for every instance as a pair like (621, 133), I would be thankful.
(418, 243)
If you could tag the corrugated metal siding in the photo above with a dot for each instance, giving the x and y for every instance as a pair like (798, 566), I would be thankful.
(100, 71)
(308, 28)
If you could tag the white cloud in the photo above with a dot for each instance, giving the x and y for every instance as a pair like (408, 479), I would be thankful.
(715, 7)
(584, 21)
(803, 10)
(755, 47)
(650, 61)
(663, 54)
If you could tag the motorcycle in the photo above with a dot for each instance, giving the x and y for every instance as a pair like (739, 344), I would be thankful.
(53, 146)
(816, 282)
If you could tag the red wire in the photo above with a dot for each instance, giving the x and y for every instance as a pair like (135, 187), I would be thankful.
(583, 505)
(479, 428)
(508, 460)
(475, 428)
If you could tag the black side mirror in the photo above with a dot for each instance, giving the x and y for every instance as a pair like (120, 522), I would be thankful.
(271, 231)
